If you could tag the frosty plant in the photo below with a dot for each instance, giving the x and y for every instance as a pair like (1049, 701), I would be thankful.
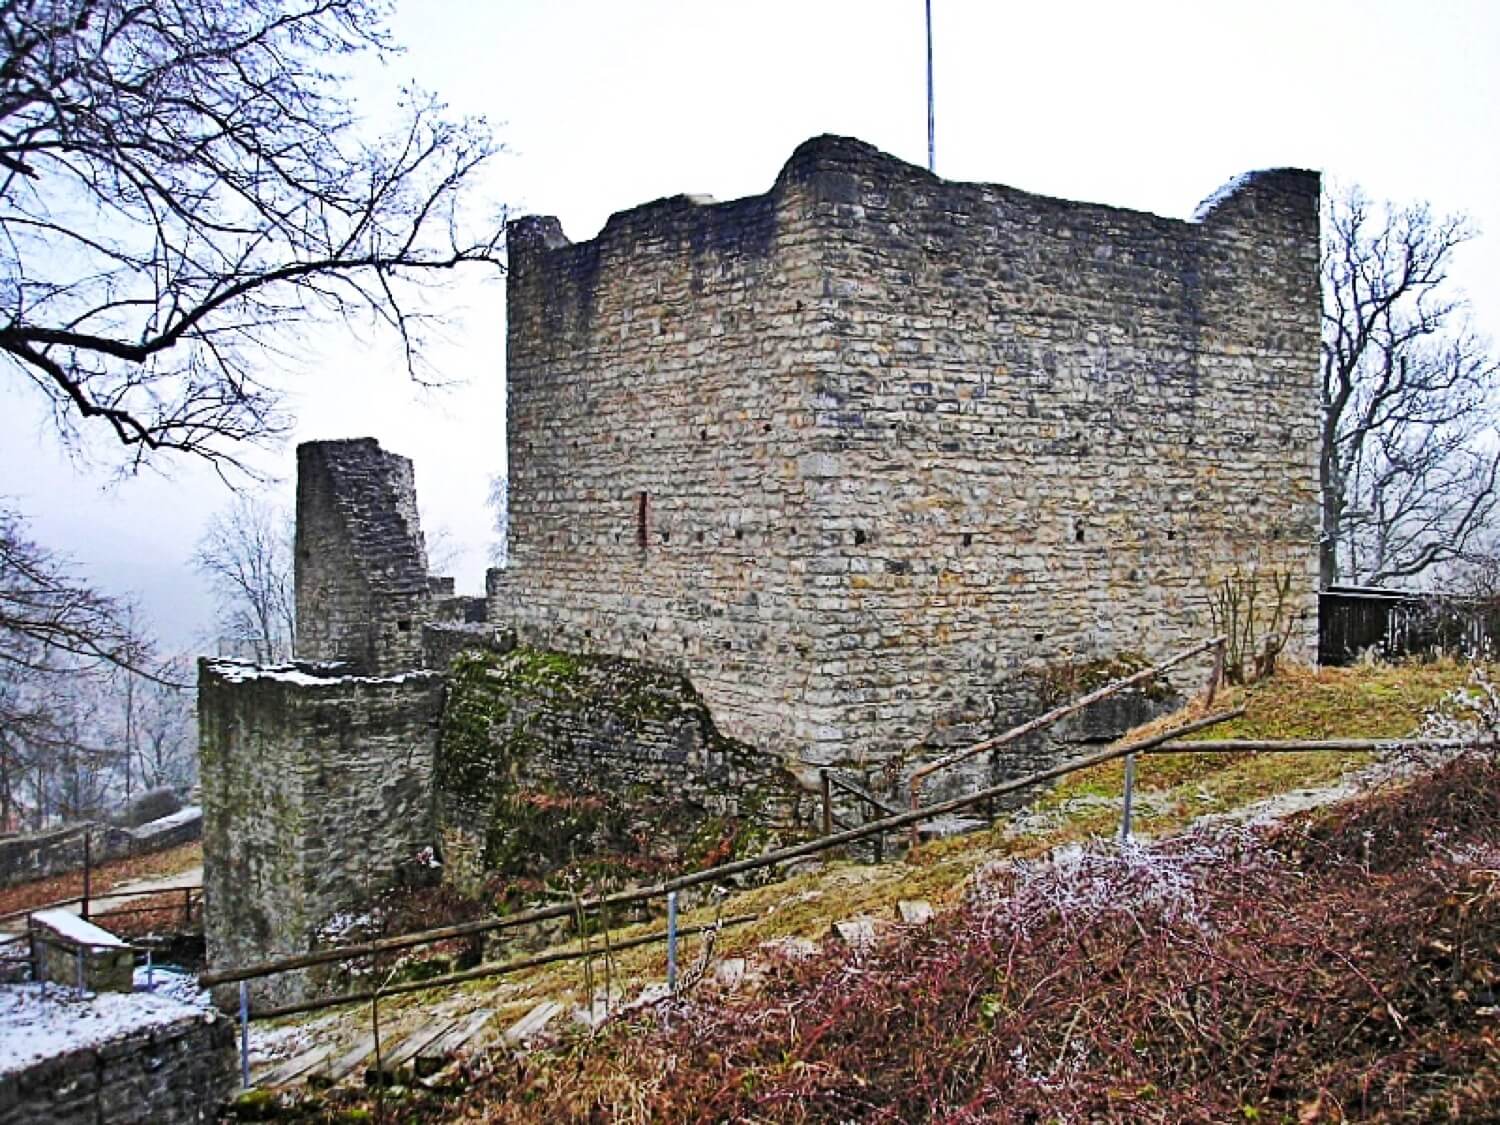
(1470, 712)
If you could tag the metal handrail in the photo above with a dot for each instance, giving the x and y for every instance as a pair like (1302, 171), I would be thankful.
(26, 912)
(831, 780)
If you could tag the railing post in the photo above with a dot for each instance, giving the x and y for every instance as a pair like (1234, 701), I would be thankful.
(827, 801)
(1129, 796)
(1216, 676)
(672, 935)
(87, 864)
(245, 1034)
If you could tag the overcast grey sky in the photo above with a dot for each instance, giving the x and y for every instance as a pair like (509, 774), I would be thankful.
(605, 104)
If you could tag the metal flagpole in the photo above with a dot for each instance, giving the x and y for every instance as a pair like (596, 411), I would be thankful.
(931, 134)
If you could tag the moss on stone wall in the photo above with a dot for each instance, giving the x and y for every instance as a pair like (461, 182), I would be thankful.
(561, 768)
(1063, 681)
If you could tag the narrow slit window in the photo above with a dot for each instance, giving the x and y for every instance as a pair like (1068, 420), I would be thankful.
(640, 520)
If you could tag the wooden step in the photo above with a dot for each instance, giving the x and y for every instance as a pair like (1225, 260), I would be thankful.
(533, 1023)
(346, 1063)
(394, 1061)
(285, 1073)
(436, 1055)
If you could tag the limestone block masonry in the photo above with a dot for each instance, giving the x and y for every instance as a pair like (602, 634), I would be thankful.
(853, 452)
(172, 1074)
(361, 565)
(317, 789)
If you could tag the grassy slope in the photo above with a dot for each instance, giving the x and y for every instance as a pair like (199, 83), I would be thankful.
(1340, 967)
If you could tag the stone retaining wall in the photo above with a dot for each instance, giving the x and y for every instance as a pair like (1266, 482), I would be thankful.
(317, 791)
(175, 1074)
(41, 855)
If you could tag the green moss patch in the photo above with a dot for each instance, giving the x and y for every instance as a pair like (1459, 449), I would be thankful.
(566, 770)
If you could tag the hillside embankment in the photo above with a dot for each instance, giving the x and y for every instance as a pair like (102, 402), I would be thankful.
(1337, 964)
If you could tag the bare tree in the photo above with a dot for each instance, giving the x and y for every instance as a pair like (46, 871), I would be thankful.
(442, 547)
(59, 641)
(182, 183)
(1410, 452)
(498, 502)
(246, 552)
(167, 738)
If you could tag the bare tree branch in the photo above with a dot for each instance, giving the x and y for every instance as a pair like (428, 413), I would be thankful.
(246, 554)
(180, 184)
(60, 642)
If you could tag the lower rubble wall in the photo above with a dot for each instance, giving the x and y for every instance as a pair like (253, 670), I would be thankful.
(172, 1075)
(317, 794)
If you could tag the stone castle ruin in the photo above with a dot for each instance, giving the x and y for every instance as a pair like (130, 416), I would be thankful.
(814, 477)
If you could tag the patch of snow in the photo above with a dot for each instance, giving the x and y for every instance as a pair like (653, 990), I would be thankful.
(1222, 196)
(273, 1044)
(70, 926)
(41, 1021)
(239, 672)
(173, 983)
(1283, 805)
(181, 816)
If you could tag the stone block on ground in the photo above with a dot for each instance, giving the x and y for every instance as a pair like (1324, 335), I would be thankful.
(914, 911)
(730, 972)
(857, 934)
(73, 951)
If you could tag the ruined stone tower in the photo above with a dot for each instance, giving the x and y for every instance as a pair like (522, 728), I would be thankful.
(317, 775)
(361, 567)
(850, 452)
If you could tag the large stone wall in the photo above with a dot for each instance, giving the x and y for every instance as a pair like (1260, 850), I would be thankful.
(854, 452)
(361, 565)
(317, 789)
(657, 379)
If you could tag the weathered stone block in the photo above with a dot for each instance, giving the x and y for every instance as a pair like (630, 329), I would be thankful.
(75, 952)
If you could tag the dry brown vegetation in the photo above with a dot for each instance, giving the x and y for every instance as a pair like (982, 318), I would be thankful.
(28, 896)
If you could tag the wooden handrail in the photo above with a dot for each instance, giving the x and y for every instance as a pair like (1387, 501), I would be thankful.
(491, 969)
(1041, 722)
(79, 899)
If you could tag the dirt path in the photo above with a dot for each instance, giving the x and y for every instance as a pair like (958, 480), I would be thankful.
(113, 899)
